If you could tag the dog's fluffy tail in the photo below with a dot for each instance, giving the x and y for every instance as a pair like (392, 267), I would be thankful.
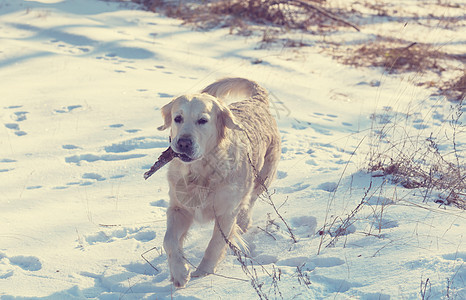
(236, 89)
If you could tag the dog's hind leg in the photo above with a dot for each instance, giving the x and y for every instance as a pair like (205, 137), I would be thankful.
(244, 218)
(263, 180)
(223, 233)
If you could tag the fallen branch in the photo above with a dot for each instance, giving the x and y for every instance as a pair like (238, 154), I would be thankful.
(326, 13)
(163, 159)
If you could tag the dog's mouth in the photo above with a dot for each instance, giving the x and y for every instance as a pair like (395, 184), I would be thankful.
(184, 157)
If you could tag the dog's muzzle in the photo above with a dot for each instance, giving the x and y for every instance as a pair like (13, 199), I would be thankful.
(184, 148)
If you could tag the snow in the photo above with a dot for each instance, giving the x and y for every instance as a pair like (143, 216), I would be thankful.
(81, 91)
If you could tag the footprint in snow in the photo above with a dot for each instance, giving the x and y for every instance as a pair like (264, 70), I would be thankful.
(438, 116)
(127, 130)
(301, 125)
(328, 187)
(380, 201)
(326, 262)
(137, 143)
(159, 203)
(418, 124)
(311, 264)
(19, 116)
(77, 159)
(328, 118)
(7, 162)
(293, 261)
(20, 133)
(66, 109)
(70, 147)
(293, 188)
(59, 187)
(132, 130)
(27, 263)
(118, 125)
(332, 285)
(15, 127)
(129, 53)
(372, 83)
(304, 226)
(69, 48)
(281, 174)
(4, 274)
(384, 223)
(142, 269)
(165, 95)
(34, 187)
(460, 255)
(265, 259)
(94, 176)
(141, 234)
(311, 162)
(12, 126)
(113, 286)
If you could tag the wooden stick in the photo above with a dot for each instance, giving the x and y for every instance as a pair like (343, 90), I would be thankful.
(163, 159)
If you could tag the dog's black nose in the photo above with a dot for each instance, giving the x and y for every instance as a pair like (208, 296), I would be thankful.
(184, 145)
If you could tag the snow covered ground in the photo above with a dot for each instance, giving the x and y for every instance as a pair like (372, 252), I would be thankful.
(82, 83)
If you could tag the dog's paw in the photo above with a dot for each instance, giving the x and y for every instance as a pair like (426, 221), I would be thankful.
(180, 275)
(180, 282)
(200, 273)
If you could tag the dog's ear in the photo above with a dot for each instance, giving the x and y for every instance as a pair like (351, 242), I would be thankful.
(167, 116)
(225, 119)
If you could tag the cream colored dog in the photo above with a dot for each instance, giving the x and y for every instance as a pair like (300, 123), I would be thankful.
(227, 155)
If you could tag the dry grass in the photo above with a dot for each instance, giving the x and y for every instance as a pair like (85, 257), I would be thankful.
(418, 162)
(241, 14)
(397, 57)
(276, 18)
(455, 89)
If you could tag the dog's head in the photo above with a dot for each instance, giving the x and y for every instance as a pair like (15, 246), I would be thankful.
(198, 123)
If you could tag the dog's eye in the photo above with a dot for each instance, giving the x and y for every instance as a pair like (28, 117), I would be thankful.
(202, 121)
(178, 119)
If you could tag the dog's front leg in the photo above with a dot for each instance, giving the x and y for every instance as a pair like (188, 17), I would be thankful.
(217, 245)
(178, 222)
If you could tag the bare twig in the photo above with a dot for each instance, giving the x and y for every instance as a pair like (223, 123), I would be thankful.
(423, 289)
(267, 232)
(246, 261)
(147, 261)
(268, 196)
(349, 220)
(329, 203)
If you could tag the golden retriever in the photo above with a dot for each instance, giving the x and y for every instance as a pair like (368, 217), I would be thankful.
(226, 157)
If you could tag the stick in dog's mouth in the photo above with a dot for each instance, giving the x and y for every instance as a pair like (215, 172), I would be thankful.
(163, 159)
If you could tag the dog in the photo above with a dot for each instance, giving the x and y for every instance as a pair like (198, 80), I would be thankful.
(226, 157)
